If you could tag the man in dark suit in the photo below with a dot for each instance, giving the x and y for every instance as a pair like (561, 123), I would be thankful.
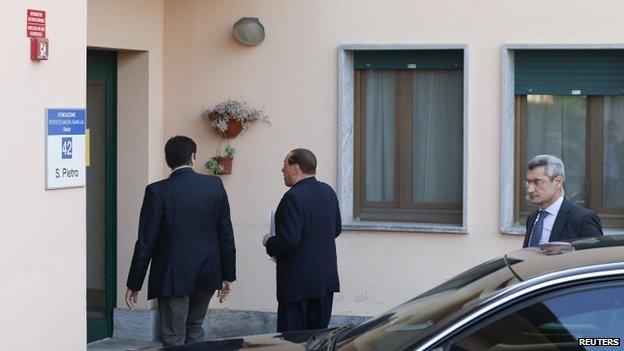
(557, 219)
(186, 232)
(307, 222)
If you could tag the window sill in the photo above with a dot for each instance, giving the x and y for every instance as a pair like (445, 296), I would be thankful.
(514, 230)
(520, 230)
(404, 227)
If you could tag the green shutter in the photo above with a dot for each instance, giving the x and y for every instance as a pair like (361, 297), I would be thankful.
(409, 59)
(569, 72)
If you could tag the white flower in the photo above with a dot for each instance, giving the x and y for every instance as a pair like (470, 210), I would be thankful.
(232, 109)
(219, 124)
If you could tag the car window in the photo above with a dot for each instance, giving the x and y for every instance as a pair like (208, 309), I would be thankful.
(554, 322)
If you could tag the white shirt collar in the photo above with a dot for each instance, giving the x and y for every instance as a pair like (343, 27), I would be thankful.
(554, 208)
(184, 166)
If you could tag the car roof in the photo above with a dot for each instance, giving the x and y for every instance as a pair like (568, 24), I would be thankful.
(495, 280)
(530, 263)
(521, 269)
(527, 270)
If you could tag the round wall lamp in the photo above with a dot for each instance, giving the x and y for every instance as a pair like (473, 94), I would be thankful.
(249, 31)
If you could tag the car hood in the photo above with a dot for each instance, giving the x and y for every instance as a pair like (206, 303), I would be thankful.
(280, 341)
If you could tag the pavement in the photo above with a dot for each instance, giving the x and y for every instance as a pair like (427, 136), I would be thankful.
(112, 344)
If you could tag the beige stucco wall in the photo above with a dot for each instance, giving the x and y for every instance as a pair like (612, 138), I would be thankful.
(293, 74)
(42, 254)
(177, 56)
(135, 30)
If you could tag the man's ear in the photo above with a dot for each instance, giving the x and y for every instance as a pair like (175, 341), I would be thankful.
(559, 182)
(192, 160)
(297, 169)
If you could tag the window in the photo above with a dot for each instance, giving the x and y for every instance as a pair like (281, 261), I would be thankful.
(554, 322)
(570, 104)
(409, 136)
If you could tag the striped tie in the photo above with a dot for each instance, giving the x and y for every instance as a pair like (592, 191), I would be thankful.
(538, 228)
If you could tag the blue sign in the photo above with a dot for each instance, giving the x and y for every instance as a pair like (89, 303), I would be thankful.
(66, 148)
(66, 122)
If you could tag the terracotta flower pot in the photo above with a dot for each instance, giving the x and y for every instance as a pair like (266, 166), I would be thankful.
(226, 162)
(234, 129)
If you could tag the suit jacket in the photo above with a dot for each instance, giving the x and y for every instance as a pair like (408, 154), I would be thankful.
(307, 222)
(572, 222)
(186, 232)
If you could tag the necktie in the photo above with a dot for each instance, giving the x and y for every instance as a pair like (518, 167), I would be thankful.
(538, 228)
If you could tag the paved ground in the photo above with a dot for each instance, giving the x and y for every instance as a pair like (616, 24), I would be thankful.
(112, 344)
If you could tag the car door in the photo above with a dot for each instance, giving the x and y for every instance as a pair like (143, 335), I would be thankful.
(572, 317)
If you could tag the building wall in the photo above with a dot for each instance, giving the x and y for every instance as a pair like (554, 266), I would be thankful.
(42, 254)
(179, 56)
(115, 25)
(293, 74)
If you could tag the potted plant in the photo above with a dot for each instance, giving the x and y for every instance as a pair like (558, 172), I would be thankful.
(222, 164)
(231, 117)
(214, 166)
(227, 160)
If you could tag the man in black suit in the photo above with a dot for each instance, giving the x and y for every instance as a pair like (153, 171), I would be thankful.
(557, 219)
(186, 232)
(307, 222)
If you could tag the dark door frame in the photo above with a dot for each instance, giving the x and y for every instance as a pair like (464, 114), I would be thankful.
(103, 65)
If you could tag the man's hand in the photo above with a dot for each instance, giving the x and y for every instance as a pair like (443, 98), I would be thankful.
(224, 292)
(265, 239)
(131, 298)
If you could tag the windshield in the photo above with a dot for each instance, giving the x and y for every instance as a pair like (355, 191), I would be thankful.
(416, 319)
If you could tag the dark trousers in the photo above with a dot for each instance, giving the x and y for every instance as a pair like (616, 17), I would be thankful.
(304, 315)
(181, 317)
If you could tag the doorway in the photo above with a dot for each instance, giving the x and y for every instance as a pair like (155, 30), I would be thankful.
(101, 162)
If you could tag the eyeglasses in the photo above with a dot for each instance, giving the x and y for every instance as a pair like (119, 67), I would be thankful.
(535, 182)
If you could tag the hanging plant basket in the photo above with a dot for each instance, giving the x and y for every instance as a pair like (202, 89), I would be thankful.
(226, 162)
(231, 117)
(220, 165)
(234, 127)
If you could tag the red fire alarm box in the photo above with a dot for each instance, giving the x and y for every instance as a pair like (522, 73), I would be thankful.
(39, 49)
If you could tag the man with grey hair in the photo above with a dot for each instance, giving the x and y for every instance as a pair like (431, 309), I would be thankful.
(557, 219)
(307, 222)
